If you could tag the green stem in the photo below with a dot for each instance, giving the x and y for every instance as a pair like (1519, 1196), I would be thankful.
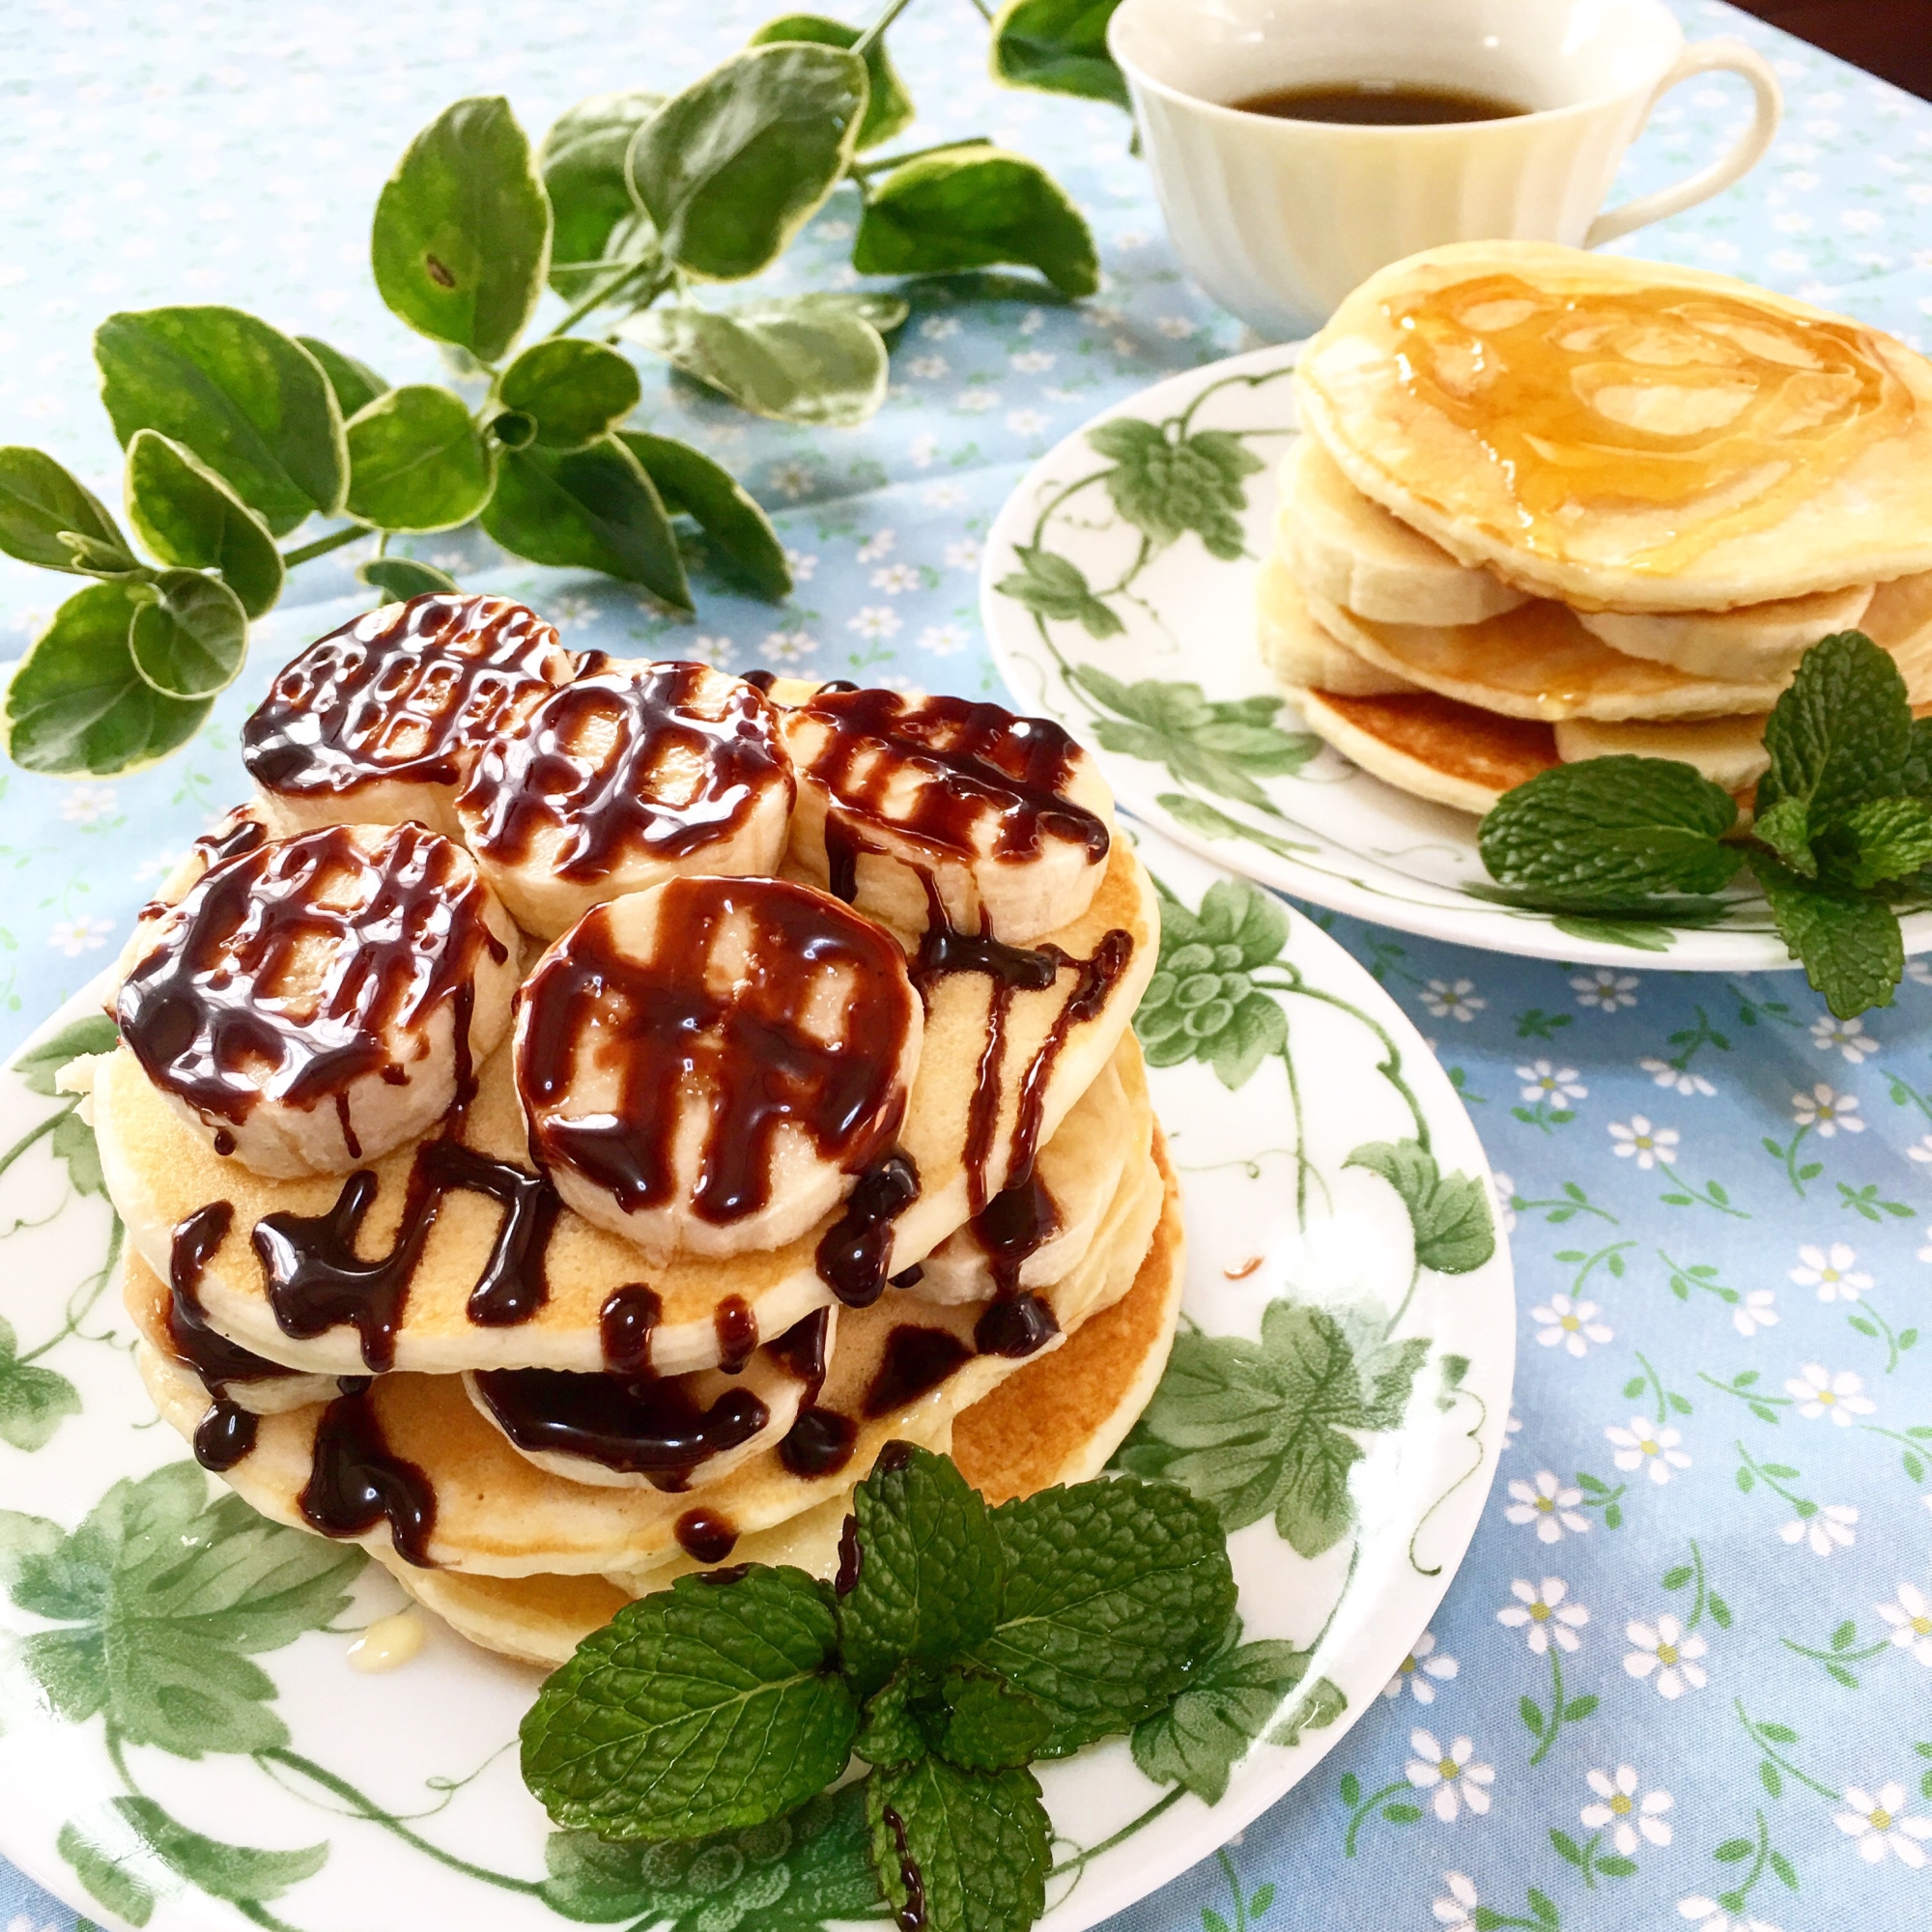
(1054, 503)
(863, 46)
(1556, 1700)
(1234, 1886)
(33, 1134)
(1121, 1836)
(884, 163)
(1602, 1255)
(1803, 1505)
(322, 546)
(1838, 1655)
(1890, 1339)
(1746, 1395)
(1697, 1607)
(1657, 1382)
(376, 1815)
(604, 291)
(1791, 1161)
(1700, 1195)
(1473, 1436)
(1365, 1808)
(984, 11)
(1783, 1764)
(1527, 1206)
(1301, 1161)
(1390, 1066)
(260, 1914)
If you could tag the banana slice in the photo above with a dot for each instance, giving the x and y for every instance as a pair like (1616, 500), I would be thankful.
(622, 780)
(314, 1002)
(1755, 637)
(917, 809)
(1729, 752)
(383, 719)
(711, 1064)
(672, 1433)
(1354, 552)
(1301, 653)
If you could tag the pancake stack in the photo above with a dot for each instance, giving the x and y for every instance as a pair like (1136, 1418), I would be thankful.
(1552, 506)
(579, 1111)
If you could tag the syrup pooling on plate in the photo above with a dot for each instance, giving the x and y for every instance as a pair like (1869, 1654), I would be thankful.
(1605, 397)
(711, 1064)
(319, 1000)
(619, 780)
(1003, 816)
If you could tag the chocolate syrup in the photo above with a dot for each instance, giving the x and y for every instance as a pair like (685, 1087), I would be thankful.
(626, 1323)
(851, 1558)
(212, 1356)
(1015, 1325)
(803, 1349)
(412, 698)
(723, 1580)
(643, 1425)
(204, 1011)
(761, 680)
(593, 759)
(983, 768)
(737, 1330)
(354, 1482)
(317, 1281)
(224, 1436)
(854, 1253)
(1009, 1229)
(818, 1444)
(911, 1915)
(917, 1361)
(705, 1536)
(662, 1027)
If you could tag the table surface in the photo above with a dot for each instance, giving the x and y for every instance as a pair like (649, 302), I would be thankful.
(1719, 1198)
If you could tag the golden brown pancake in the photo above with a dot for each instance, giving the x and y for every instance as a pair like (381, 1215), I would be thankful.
(1433, 747)
(1630, 434)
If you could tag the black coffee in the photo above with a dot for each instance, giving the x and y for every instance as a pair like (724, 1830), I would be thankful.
(1380, 104)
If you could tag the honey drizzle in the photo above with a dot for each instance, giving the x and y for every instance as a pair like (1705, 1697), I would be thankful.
(1525, 372)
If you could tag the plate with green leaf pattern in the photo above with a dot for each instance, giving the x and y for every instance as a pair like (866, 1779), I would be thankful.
(1118, 592)
(185, 1747)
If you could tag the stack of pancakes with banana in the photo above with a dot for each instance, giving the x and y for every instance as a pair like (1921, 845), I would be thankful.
(1551, 506)
(579, 1111)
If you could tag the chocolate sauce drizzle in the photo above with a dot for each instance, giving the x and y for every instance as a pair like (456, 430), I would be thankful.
(412, 700)
(355, 1481)
(917, 1360)
(317, 1281)
(661, 1027)
(212, 1356)
(911, 1915)
(625, 1326)
(593, 759)
(202, 1011)
(1012, 1227)
(983, 766)
(854, 1253)
(819, 1442)
(643, 1425)
(224, 1436)
(705, 1536)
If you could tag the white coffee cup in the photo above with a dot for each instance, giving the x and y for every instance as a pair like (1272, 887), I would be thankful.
(1279, 219)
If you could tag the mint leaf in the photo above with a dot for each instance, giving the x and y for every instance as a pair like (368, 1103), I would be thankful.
(928, 1581)
(1450, 1213)
(1851, 947)
(1114, 1592)
(1890, 838)
(1786, 828)
(959, 1851)
(1200, 1738)
(991, 1726)
(1840, 733)
(1269, 1427)
(1915, 774)
(1610, 830)
(899, 1717)
(701, 1708)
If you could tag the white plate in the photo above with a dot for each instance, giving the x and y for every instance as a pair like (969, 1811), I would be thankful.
(1177, 625)
(231, 1712)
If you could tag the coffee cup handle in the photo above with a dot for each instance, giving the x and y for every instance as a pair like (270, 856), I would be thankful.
(1725, 56)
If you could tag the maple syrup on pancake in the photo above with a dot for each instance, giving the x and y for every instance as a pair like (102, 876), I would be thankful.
(1555, 387)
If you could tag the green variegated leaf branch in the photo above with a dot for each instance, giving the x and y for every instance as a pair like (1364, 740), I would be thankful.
(238, 436)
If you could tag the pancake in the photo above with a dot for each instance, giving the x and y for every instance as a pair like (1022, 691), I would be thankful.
(1300, 652)
(1627, 433)
(1539, 661)
(1433, 747)
(1057, 1421)
(492, 1513)
(1352, 551)
(472, 1300)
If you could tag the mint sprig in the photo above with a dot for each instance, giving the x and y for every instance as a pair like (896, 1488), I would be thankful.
(963, 1644)
(1842, 834)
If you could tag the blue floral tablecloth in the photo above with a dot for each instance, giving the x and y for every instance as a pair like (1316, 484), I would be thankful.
(1711, 1545)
